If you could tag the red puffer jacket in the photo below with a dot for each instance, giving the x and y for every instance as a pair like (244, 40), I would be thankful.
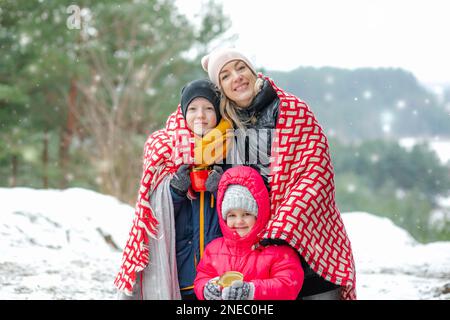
(275, 271)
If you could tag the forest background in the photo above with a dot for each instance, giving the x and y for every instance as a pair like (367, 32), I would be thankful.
(82, 86)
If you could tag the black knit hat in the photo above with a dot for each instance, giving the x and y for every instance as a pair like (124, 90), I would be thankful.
(200, 88)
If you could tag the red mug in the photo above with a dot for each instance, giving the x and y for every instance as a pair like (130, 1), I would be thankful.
(198, 179)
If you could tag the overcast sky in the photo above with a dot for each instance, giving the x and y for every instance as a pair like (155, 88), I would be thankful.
(286, 34)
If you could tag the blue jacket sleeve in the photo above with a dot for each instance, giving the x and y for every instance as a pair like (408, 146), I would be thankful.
(177, 200)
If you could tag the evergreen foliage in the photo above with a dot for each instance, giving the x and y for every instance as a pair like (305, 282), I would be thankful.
(360, 104)
(76, 105)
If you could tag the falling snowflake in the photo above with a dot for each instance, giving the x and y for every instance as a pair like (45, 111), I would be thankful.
(91, 31)
(436, 138)
(374, 158)
(331, 132)
(145, 27)
(367, 94)
(386, 121)
(401, 104)
(150, 91)
(400, 194)
(329, 80)
(30, 154)
(24, 39)
(328, 97)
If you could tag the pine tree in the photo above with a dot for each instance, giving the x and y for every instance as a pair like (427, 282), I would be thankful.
(100, 76)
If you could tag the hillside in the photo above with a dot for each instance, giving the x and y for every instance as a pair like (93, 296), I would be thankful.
(369, 103)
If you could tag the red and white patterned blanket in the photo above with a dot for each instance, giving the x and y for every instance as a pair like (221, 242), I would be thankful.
(304, 212)
(160, 159)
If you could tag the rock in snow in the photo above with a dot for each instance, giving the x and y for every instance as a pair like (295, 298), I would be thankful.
(66, 244)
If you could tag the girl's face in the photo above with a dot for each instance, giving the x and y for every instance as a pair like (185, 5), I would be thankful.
(238, 82)
(201, 116)
(240, 221)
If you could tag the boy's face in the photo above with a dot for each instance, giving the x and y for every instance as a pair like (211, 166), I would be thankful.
(201, 116)
(240, 221)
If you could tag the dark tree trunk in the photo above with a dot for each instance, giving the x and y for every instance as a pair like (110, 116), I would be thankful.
(45, 161)
(67, 134)
(14, 168)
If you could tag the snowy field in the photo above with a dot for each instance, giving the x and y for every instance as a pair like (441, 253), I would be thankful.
(62, 244)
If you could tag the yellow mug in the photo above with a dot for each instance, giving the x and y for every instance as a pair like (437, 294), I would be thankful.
(228, 277)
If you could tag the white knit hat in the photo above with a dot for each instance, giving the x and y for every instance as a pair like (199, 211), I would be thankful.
(238, 197)
(217, 59)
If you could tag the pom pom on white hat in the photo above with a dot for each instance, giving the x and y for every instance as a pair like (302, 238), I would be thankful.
(238, 197)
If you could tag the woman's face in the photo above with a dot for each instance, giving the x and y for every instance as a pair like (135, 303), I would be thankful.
(201, 116)
(238, 82)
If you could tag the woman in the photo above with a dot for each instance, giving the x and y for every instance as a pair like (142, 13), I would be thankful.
(289, 149)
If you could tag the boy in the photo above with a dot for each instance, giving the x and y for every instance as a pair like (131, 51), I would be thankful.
(196, 221)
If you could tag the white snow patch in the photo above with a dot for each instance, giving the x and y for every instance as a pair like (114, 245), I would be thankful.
(53, 243)
(53, 247)
(390, 264)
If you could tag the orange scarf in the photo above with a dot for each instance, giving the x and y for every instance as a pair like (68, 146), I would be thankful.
(214, 146)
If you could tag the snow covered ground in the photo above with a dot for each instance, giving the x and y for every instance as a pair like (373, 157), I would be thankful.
(62, 244)
(390, 264)
(53, 243)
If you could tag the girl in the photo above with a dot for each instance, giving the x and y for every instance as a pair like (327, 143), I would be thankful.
(272, 272)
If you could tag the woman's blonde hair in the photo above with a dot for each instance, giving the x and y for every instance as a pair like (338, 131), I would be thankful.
(228, 108)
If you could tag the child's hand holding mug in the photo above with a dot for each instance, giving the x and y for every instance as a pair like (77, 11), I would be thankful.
(212, 290)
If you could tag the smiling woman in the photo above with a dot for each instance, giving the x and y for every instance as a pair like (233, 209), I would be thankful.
(299, 175)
